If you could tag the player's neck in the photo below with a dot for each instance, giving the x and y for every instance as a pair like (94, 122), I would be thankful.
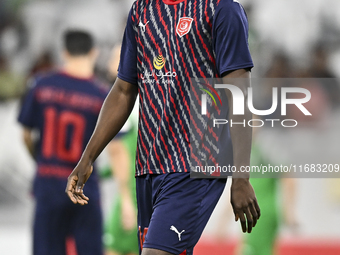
(79, 67)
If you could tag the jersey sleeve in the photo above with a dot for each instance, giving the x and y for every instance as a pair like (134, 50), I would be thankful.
(28, 112)
(127, 69)
(230, 37)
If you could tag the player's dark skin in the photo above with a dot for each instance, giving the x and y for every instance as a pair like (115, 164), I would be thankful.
(115, 111)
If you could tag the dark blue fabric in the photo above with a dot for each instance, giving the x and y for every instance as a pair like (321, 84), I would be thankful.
(127, 69)
(175, 199)
(230, 37)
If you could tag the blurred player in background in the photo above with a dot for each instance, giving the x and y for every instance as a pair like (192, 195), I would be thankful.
(121, 226)
(61, 109)
(165, 44)
(269, 192)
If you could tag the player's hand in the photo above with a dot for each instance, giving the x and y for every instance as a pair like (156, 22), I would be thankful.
(244, 203)
(76, 182)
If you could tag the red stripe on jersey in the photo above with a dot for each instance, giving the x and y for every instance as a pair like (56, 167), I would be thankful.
(171, 98)
(199, 34)
(153, 137)
(138, 141)
(195, 60)
(141, 136)
(146, 91)
(172, 2)
(179, 50)
(143, 146)
(161, 90)
(177, 79)
(197, 129)
(193, 156)
(137, 10)
(167, 150)
(209, 153)
(207, 15)
(212, 133)
(175, 139)
(185, 67)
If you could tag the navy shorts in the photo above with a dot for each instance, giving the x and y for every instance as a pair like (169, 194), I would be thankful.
(57, 219)
(173, 210)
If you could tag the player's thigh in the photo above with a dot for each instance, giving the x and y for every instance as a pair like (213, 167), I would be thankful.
(87, 229)
(181, 210)
(49, 229)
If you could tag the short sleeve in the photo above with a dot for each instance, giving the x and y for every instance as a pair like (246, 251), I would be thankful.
(29, 109)
(230, 37)
(127, 69)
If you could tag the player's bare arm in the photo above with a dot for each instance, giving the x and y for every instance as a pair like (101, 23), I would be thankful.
(115, 111)
(243, 199)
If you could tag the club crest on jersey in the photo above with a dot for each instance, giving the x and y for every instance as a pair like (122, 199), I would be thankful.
(184, 26)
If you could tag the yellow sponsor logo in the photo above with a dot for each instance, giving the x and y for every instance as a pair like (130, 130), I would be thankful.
(158, 62)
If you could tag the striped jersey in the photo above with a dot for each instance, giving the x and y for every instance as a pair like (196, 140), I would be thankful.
(165, 44)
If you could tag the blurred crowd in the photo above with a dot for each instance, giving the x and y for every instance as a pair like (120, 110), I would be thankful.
(287, 38)
(30, 33)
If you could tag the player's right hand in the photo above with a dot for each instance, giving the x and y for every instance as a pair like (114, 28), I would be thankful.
(76, 182)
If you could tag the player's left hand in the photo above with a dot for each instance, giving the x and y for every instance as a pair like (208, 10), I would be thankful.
(244, 203)
(76, 182)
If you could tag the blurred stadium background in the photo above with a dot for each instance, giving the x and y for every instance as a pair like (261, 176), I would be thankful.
(288, 38)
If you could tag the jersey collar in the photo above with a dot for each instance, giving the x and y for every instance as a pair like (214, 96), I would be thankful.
(172, 2)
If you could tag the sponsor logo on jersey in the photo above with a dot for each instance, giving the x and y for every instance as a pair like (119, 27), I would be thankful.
(158, 75)
(159, 62)
(184, 26)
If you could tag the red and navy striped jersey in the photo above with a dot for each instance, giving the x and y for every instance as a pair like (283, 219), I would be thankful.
(166, 43)
(64, 111)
